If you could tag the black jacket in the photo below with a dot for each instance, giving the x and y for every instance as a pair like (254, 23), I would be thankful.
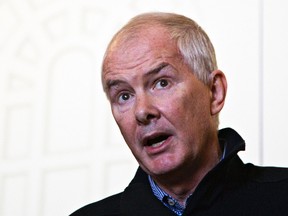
(231, 188)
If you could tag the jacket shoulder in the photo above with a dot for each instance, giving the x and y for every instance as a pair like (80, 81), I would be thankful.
(267, 174)
(109, 206)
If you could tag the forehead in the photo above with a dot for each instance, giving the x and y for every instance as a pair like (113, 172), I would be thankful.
(149, 44)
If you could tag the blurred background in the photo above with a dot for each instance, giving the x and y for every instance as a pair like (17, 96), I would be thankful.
(59, 146)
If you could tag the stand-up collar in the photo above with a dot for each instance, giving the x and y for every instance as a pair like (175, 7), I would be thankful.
(232, 140)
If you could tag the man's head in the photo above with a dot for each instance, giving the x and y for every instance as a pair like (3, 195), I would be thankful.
(192, 42)
(160, 75)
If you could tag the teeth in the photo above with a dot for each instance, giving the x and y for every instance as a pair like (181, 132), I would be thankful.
(156, 141)
(157, 144)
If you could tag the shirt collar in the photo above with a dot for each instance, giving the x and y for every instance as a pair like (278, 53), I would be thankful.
(165, 198)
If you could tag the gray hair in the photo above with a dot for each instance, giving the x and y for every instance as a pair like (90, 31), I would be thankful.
(192, 41)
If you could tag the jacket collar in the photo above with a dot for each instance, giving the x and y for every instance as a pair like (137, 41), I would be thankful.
(232, 140)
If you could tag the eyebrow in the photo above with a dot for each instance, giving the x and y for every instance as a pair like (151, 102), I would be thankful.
(116, 82)
(156, 70)
(111, 83)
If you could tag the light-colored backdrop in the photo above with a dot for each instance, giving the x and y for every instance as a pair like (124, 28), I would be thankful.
(59, 146)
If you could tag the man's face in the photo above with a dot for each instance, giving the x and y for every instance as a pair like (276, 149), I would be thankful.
(161, 108)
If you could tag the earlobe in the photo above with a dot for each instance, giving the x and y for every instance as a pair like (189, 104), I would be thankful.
(218, 88)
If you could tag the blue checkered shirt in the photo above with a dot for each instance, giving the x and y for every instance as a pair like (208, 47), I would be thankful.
(165, 198)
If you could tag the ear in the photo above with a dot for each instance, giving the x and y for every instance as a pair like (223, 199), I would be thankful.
(218, 88)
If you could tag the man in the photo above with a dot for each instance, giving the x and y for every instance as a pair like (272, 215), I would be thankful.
(166, 92)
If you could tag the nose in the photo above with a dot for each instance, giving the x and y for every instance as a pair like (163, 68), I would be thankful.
(146, 110)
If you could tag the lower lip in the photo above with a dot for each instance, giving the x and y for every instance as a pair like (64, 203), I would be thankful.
(152, 150)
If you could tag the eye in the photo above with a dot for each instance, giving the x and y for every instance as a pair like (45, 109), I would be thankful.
(162, 83)
(124, 97)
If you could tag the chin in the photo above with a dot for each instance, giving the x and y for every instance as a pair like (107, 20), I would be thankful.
(160, 169)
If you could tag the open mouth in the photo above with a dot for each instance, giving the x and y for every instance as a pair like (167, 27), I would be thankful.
(157, 141)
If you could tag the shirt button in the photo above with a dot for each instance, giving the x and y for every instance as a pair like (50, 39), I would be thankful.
(171, 202)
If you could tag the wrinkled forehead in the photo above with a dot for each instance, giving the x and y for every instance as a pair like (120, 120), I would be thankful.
(139, 38)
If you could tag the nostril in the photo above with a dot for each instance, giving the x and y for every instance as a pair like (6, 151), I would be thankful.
(145, 118)
(150, 116)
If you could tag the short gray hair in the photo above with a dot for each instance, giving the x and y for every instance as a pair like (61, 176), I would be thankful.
(192, 41)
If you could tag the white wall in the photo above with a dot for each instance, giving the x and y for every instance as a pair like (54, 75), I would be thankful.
(59, 146)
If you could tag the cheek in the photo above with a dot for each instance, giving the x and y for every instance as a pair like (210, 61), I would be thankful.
(125, 124)
(186, 111)
(181, 107)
